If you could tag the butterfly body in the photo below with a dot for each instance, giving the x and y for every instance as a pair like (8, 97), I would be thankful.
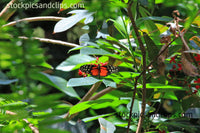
(98, 70)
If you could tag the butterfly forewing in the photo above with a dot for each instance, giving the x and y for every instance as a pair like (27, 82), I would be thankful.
(87, 68)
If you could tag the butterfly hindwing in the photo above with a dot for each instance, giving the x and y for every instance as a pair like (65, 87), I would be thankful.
(112, 69)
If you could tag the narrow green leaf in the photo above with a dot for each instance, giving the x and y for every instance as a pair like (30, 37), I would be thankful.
(7, 81)
(170, 95)
(88, 119)
(151, 48)
(161, 86)
(85, 105)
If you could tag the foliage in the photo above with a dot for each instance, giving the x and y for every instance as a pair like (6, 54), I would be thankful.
(36, 98)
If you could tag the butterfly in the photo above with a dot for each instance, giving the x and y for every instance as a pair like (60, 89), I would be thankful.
(98, 70)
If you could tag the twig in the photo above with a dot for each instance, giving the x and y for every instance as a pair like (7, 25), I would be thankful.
(33, 19)
(103, 92)
(7, 12)
(51, 41)
(130, 3)
(90, 92)
(34, 129)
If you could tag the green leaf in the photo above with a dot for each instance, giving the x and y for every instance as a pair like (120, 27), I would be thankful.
(12, 105)
(88, 119)
(5, 81)
(192, 51)
(45, 64)
(68, 3)
(107, 104)
(191, 19)
(85, 105)
(82, 81)
(67, 23)
(106, 126)
(151, 48)
(122, 24)
(161, 86)
(57, 82)
(153, 18)
(109, 83)
(93, 51)
(136, 107)
(170, 95)
(70, 63)
(159, 1)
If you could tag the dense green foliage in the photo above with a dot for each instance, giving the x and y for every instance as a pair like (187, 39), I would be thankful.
(34, 96)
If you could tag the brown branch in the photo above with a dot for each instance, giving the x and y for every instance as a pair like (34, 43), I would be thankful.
(51, 41)
(103, 92)
(143, 74)
(7, 12)
(85, 98)
(90, 92)
(34, 19)
(34, 129)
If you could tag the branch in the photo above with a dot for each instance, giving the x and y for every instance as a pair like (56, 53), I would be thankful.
(103, 92)
(91, 92)
(33, 19)
(143, 74)
(51, 41)
(85, 98)
(7, 12)
(34, 129)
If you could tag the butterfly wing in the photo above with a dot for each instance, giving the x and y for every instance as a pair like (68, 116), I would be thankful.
(90, 69)
(86, 68)
(103, 71)
(106, 70)
(95, 70)
(112, 69)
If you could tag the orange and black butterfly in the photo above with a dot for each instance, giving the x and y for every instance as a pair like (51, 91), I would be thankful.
(99, 70)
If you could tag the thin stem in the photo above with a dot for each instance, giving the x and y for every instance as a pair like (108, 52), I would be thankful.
(85, 98)
(51, 41)
(34, 129)
(34, 19)
(7, 12)
(103, 92)
(90, 92)
(143, 68)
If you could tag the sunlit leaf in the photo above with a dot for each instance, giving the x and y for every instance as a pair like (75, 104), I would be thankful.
(109, 83)
(106, 126)
(82, 81)
(70, 63)
(67, 23)
(85, 105)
